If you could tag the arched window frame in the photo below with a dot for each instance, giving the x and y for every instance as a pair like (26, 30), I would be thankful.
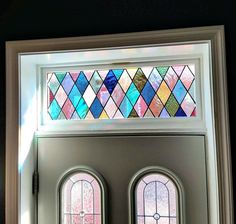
(103, 187)
(156, 170)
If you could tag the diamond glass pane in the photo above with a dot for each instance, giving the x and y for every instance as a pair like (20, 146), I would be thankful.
(156, 200)
(81, 199)
(136, 92)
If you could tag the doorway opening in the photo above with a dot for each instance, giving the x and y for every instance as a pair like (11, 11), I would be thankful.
(184, 104)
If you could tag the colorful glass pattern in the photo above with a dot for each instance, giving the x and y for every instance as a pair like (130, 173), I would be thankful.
(142, 92)
(81, 200)
(156, 200)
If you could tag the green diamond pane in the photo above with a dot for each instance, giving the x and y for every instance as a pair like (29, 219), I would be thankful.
(172, 105)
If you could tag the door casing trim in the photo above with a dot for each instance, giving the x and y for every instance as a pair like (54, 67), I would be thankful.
(216, 36)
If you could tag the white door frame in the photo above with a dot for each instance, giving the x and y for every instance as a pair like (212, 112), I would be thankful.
(213, 34)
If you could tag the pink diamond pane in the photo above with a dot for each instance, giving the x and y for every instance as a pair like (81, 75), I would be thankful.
(140, 107)
(89, 116)
(103, 73)
(88, 74)
(171, 78)
(188, 105)
(118, 95)
(110, 108)
(103, 95)
(187, 77)
(74, 75)
(132, 72)
(148, 114)
(61, 96)
(125, 81)
(118, 115)
(147, 71)
(68, 109)
(178, 69)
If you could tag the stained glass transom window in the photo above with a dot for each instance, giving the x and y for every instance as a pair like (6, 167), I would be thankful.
(81, 200)
(140, 92)
(156, 200)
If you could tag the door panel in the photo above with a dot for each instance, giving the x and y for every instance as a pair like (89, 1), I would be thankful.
(117, 159)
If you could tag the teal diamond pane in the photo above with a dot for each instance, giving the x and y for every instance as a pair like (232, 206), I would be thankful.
(74, 96)
(126, 107)
(53, 84)
(54, 110)
(96, 82)
(179, 91)
(82, 109)
(132, 94)
(118, 73)
(61, 116)
(192, 91)
(60, 76)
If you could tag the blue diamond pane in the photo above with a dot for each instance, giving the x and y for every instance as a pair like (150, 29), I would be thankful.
(74, 96)
(180, 113)
(126, 107)
(164, 113)
(67, 83)
(132, 94)
(179, 91)
(118, 73)
(54, 110)
(82, 83)
(82, 109)
(96, 108)
(110, 81)
(148, 93)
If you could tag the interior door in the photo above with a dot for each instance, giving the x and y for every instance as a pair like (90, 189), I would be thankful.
(117, 159)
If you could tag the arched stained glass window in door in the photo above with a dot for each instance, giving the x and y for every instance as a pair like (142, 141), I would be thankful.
(156, 199)
(81, 199)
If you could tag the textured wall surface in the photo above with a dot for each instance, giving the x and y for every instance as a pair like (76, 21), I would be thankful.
(26, 19)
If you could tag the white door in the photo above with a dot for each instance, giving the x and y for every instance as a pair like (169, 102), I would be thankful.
(118, 159)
